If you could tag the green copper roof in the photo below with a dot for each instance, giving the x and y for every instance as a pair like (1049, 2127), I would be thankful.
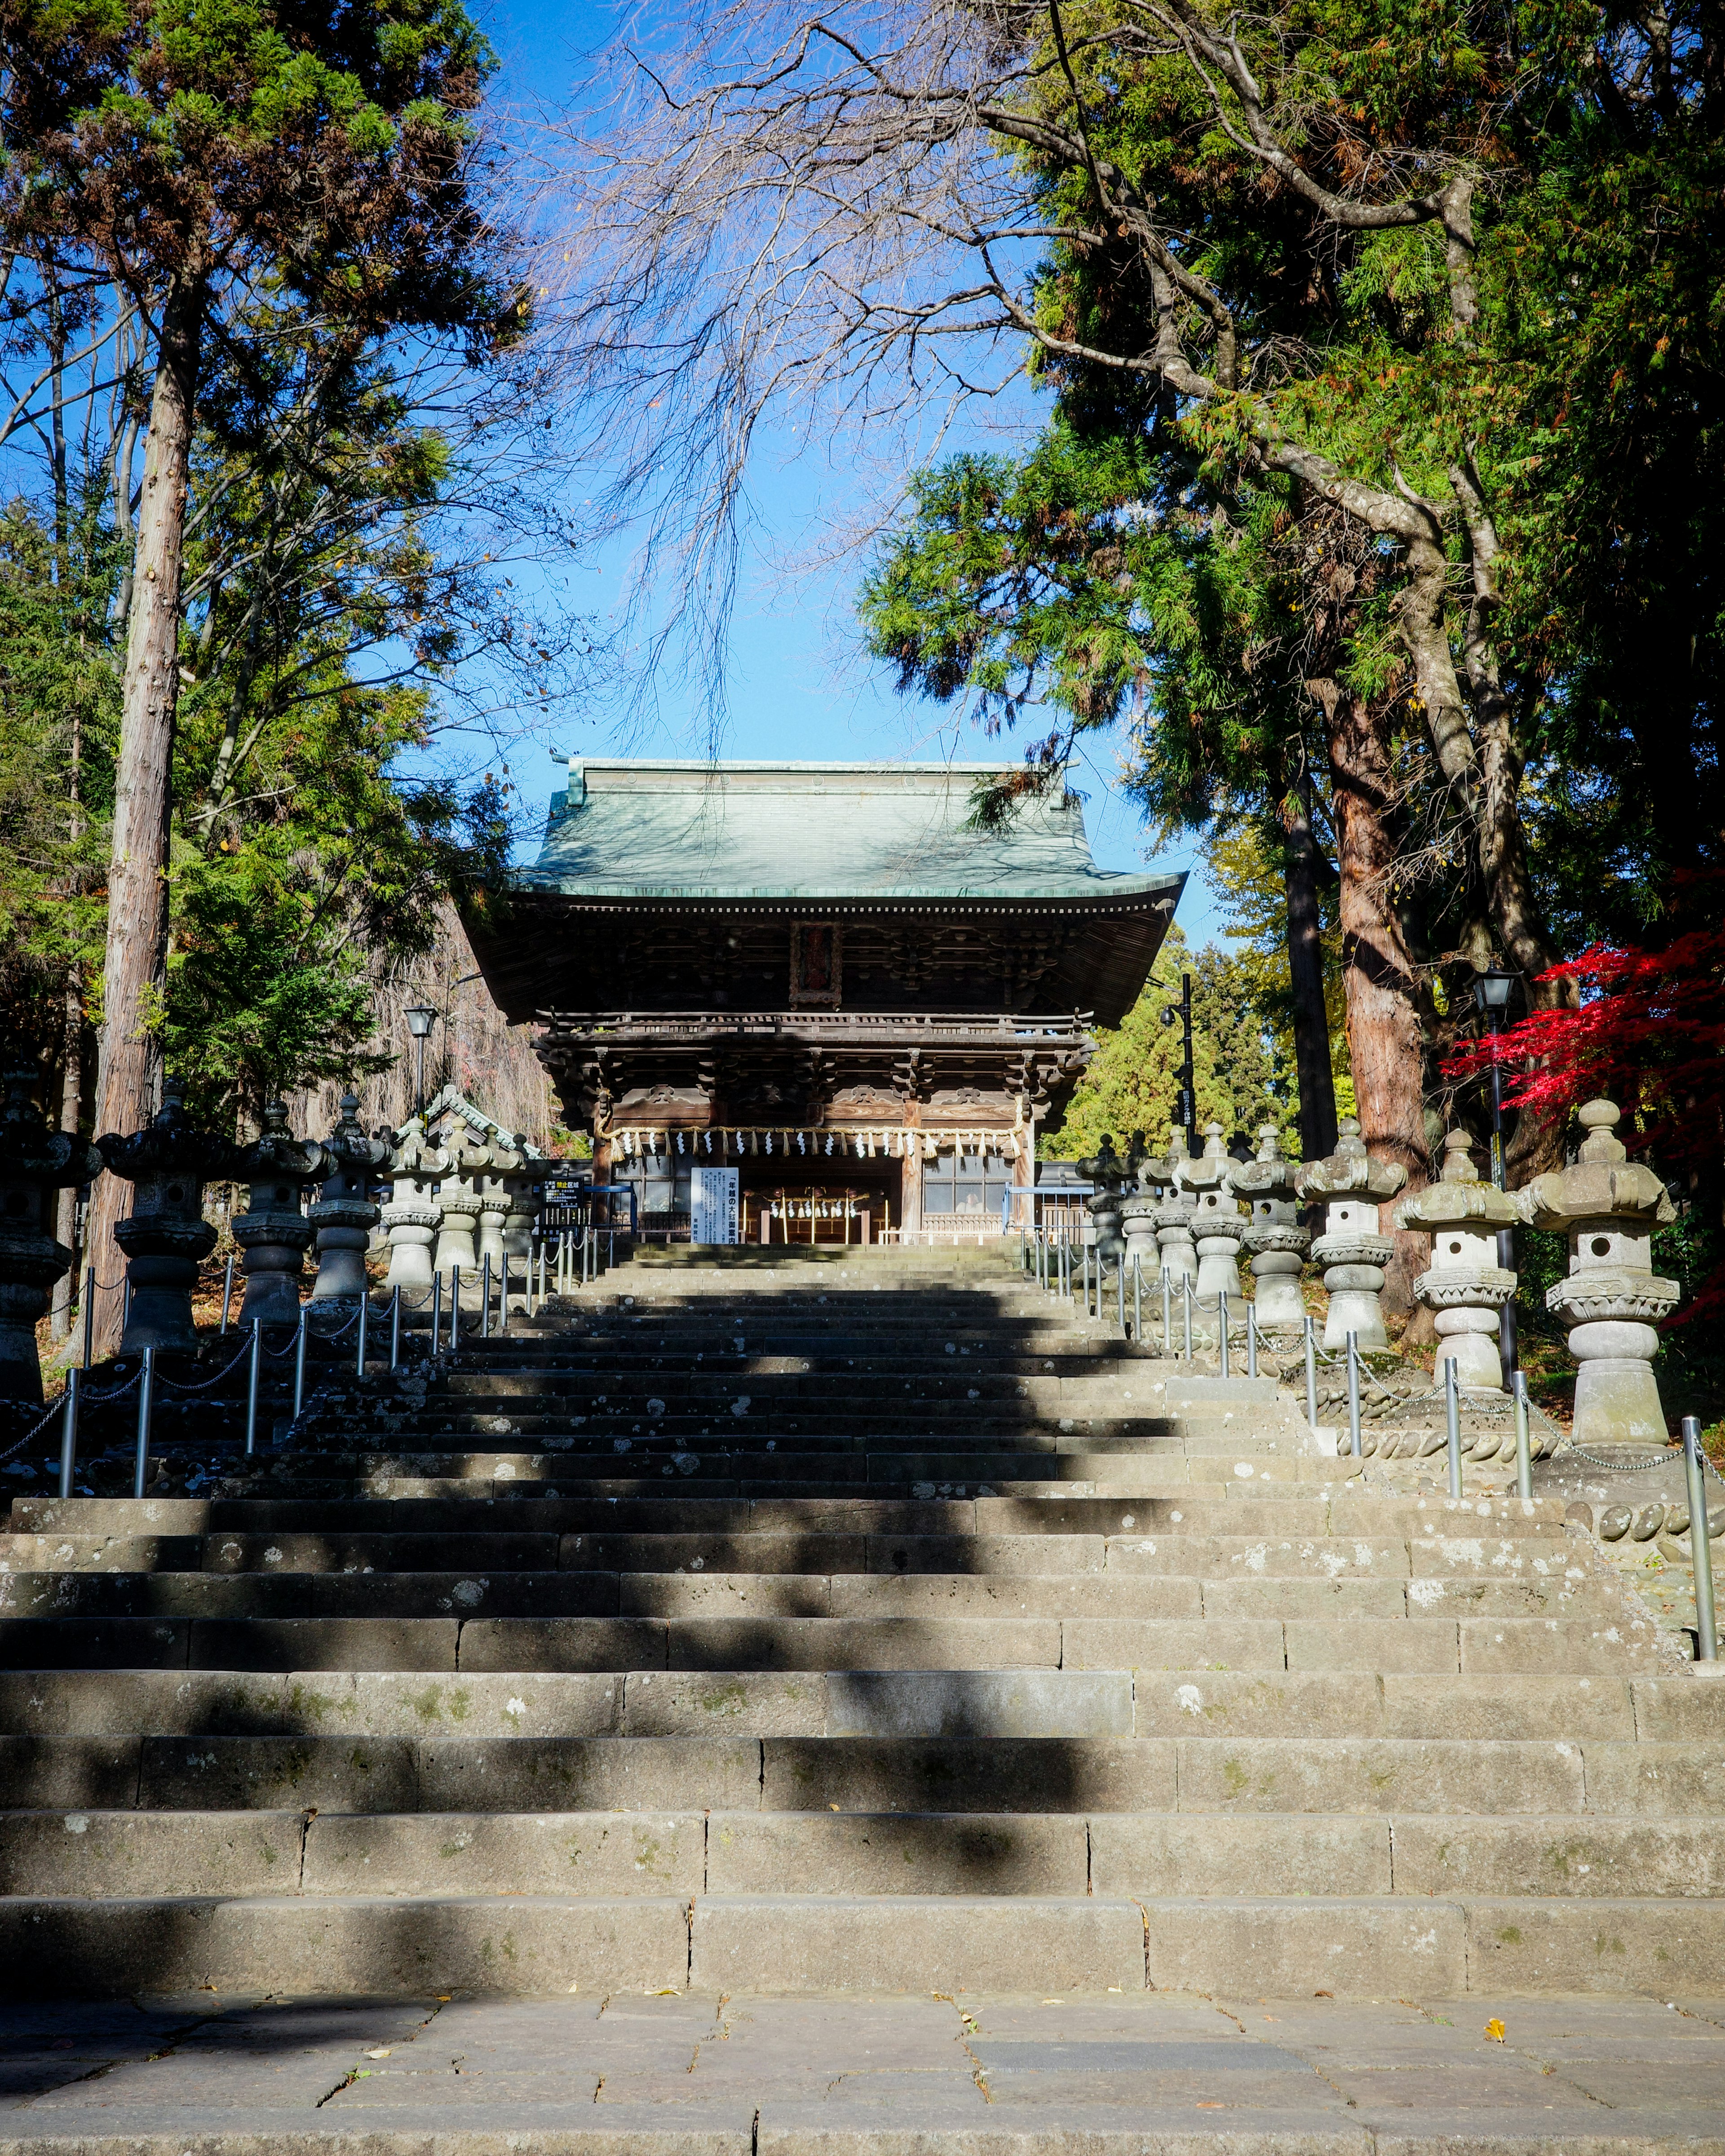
(811, 831)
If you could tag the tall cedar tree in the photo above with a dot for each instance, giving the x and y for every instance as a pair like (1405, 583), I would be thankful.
(203, 154)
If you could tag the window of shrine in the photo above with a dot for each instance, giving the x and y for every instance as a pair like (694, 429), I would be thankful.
(965, 1183)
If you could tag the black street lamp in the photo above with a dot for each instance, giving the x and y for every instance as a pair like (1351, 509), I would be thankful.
(1182, 1017)
(420, 1018)
(1491, 992)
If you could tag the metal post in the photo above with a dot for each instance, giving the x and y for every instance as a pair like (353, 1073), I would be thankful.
(147, 1403)
(1452, 1424)
(226, 1293)
(437, 1311)
(1186, 1305)
(125, 1300)
(1251, 1340)
(69, 1433)
(395, 1329)
(1524, 1449)
(1137, 1298)
(1353, 1394)
(365, 1311)
(1700, 1551)
(1167, 1312)
(89, 1294)
(455, 1312)
(1084, 1274)
(1222, 1324)
(1311, 1374)
(503, 1301)
(300, 1359)
(253, 1376)
(485, 1297)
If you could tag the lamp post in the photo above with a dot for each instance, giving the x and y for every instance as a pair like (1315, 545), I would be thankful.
(1187, 1115)
(420, 1018)
(1490, 996)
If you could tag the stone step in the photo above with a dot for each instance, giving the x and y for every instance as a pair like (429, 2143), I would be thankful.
(1300, 1510)
(356, 1944)
(1198, 1775)
(1513, 1645)
(349, 1588)
(108, 1854)
(1220, 1704)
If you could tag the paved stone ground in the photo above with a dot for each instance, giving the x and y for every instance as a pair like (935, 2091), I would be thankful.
(693, 2076)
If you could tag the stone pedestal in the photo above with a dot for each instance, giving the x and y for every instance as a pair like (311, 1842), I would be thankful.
(1177, 1254)
(1464, 1286)
(1274, 1236)
(1219, 1225)
(1352, 1250)
(344, 1215)
(459, 1167)
(168, 1162)
(518, 1220)
(1137, 1225)
(272, 1230)
(1612, 1300)
(411, 1216)
(35, 1163)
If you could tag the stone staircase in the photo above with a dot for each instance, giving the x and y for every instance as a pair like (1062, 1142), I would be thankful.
(853, 1622)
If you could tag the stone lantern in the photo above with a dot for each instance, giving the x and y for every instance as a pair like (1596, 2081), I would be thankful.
(1465, 1285)
(1107, 1172)
(1219, 1222)
(411, 1216)
(33, 1161)
(1352, 1248)
(1608, 1206)
(1267, 1186)
(272, 1230)
(344, 1214)
(166, 1236)
(1177, 1254)
(458, 1166)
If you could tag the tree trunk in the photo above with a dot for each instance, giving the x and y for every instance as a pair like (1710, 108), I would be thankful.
(134, 968)
(65, 1226)
(1305, 976)
(1377, 970)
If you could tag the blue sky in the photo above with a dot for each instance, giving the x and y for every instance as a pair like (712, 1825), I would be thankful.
(798, 685)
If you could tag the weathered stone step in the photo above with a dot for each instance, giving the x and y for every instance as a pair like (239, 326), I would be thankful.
(108, 1854)
(1220, 1703)
(1196, 1774)
(1301, 1511)
(1393, 1643)
(347, 1588)
(353, 1945)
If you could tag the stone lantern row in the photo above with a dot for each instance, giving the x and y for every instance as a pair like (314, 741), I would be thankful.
(1194, 1218)
(468, 1200)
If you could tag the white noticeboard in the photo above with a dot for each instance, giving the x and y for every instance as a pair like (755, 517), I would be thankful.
(713, 1205)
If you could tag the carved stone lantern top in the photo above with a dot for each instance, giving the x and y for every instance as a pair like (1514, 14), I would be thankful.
(276, 1154)
(171, 1150)
(1213, 1169)
(1350, 1171)
(1458, 1199)
(1106, 1170)
(350, 1152)
(30, 1153)
(1603, 1184)
(1268, 1174)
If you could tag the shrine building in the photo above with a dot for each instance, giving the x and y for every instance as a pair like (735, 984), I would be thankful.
(821, 975)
